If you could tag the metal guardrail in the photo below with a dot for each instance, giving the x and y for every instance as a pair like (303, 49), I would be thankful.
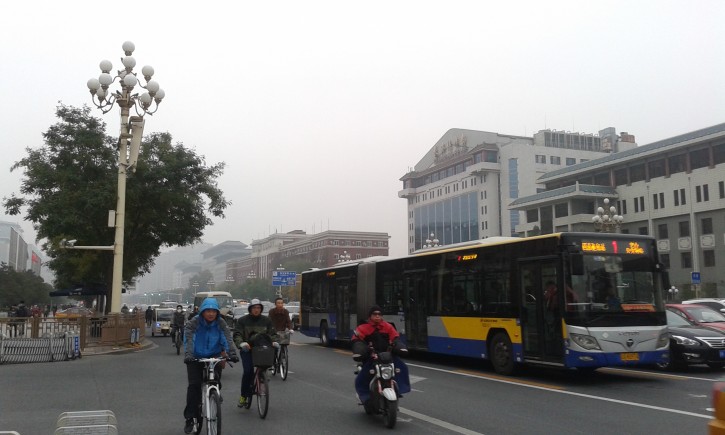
(86, 422)
(113, 329)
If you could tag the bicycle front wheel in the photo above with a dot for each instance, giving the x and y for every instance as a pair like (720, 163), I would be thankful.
(262, 392)
(283, 362)
(214, 419)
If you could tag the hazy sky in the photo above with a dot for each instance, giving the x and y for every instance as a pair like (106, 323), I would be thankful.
(319, 107)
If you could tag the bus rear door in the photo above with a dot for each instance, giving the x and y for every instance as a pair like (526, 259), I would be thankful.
(415, 306)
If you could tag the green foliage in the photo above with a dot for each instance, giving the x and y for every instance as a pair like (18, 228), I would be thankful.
(70, 184)
(21, 286)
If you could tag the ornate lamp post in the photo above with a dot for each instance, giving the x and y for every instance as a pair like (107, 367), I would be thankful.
(195, 285)
(343, 257)
(431, 242)
(129, 139)
(673, 293)
(607, 220)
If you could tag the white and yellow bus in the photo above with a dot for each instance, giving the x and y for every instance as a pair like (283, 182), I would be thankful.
(573, 300)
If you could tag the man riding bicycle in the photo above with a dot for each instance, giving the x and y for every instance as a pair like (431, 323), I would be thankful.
(177, 323)
(206, 335)
(245, 332)
(281, 320)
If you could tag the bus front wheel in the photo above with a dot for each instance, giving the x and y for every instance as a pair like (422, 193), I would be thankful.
(502, 354)
(324, 337)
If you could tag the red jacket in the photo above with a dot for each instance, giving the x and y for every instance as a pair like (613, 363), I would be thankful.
(365, 330)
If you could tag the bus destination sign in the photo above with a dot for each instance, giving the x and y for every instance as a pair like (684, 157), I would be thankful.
(614, 247)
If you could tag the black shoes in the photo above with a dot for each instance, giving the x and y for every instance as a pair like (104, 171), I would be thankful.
(189, 426)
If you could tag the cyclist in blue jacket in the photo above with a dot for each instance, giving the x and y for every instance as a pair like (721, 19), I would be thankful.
(206, 335)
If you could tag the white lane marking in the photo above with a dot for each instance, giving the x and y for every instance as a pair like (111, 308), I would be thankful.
(440, 423)
(571, 393)
(414, 379)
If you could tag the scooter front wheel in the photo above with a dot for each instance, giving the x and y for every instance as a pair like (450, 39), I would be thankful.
(390, 413)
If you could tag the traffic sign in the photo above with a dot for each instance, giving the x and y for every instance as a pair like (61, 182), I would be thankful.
(284, 277)
(696, 277)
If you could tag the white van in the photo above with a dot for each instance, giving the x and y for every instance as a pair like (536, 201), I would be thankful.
(224, 299)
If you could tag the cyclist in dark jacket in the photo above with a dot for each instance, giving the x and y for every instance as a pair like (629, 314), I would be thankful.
(177, 323)
(245, 331)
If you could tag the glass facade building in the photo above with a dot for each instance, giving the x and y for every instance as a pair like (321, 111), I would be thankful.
(452, 220)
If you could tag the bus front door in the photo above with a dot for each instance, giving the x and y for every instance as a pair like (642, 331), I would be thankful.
(415, 303)
(343, 295)
(540, 323)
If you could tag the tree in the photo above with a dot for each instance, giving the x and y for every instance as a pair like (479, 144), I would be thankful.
(70, 183)
(22, 286)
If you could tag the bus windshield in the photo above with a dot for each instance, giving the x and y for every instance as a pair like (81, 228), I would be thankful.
(615, 284)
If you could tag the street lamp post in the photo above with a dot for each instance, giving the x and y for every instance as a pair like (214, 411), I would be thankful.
(343, 257)
(431, 242)
(195, 285)
(129, 140)
(673, 292)
(279, 287)
(210, 284)
(607, 220)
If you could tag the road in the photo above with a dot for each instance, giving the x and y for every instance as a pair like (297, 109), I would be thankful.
(146, 391)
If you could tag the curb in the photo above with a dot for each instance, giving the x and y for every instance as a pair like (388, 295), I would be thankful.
(105, 350)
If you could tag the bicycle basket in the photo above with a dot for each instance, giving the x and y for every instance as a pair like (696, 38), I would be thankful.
(263, 356)
(283, 337)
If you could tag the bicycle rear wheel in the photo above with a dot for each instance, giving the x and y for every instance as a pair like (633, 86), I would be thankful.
(214, 419)
(178, 343)
(262, 392)
(283, 361)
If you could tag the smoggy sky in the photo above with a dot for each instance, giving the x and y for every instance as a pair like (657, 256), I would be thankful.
(319, 107)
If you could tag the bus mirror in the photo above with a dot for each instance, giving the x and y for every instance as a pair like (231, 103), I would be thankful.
(577, 264)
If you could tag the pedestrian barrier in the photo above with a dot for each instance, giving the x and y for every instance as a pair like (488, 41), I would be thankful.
(87, 422)
(53, 347)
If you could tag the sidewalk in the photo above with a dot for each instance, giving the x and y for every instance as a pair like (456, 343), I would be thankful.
(145, 343)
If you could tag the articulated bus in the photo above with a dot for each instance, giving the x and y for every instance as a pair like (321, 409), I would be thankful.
(572, 300)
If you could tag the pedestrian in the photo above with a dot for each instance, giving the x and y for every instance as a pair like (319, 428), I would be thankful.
(21, 313)
(149, 315)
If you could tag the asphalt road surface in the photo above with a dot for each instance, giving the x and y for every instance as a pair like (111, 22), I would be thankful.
(146, 391)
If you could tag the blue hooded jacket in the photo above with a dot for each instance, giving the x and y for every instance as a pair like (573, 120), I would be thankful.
(207, 339)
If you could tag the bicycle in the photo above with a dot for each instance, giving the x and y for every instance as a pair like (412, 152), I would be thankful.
(210, 409)
(179, 340)
(281, 361)
(262, 356)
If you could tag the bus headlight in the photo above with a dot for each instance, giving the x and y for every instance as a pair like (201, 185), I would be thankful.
(664, 340)
(585, 341)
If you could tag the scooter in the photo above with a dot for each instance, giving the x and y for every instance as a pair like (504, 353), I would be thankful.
(384, 391)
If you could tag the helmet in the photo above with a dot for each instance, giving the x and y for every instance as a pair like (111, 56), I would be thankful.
(254, 302)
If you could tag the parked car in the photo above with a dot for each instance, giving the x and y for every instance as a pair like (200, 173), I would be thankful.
(699, 315)
(74, 313)
(716, 304)
(692, 344)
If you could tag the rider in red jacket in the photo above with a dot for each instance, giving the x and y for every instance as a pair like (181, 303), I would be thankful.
(382, 336)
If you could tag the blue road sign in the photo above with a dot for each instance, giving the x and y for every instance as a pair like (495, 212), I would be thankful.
(283, 277)
(696, 277)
